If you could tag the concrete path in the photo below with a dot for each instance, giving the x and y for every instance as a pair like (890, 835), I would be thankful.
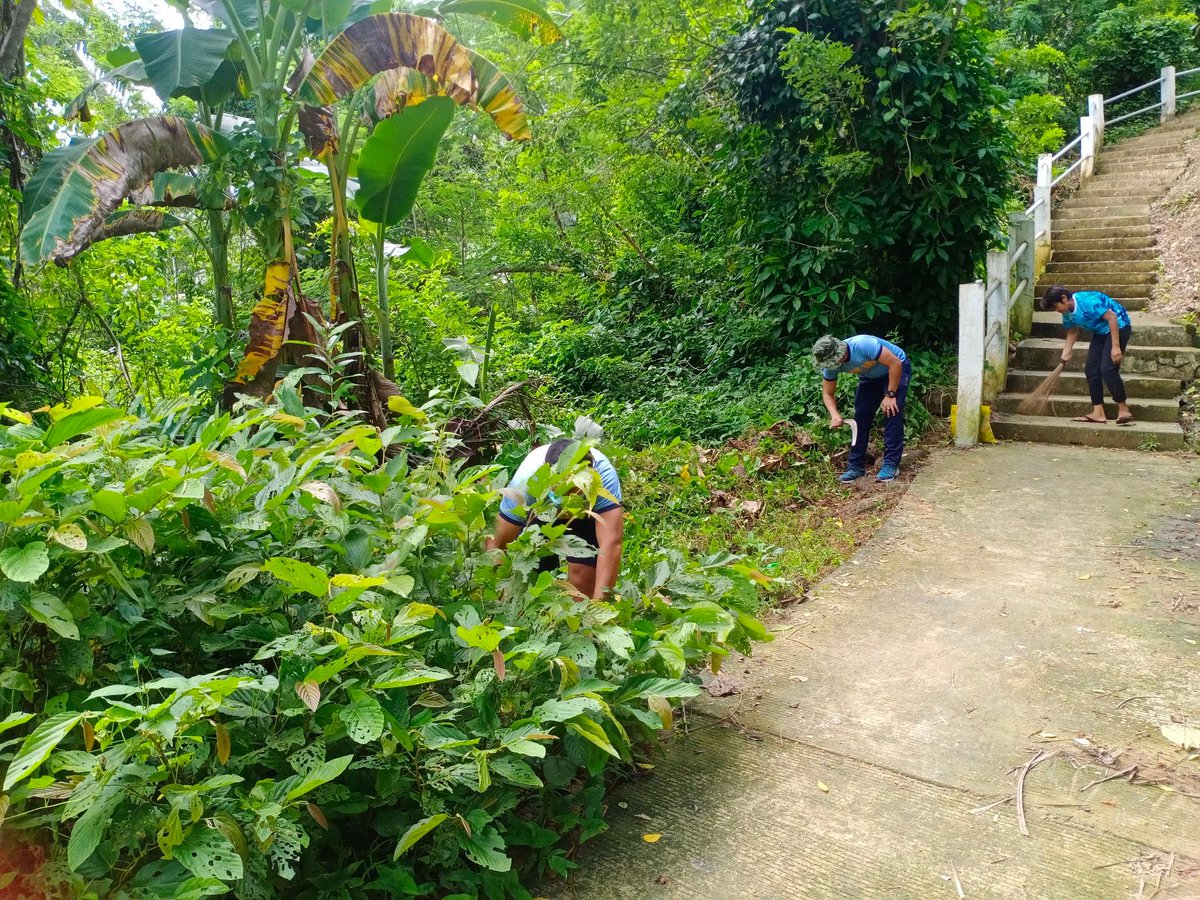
(1021, 598)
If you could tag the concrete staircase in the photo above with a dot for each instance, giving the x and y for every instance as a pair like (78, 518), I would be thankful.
(1103, 240)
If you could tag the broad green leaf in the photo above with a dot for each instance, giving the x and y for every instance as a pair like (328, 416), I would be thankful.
(562, 710)
(47, 181)
(26, 564)
(53, 613)
(445, 737)
(13, 720)
(207, 853)
(184, 59)
(322, 774)
(397, 156)
(110, 504)
(486, 847)
(642, 686)
(515, 770)
(399, 404)
(415, 832)
(593, 731)
(79, 423)
(364, 720)
(411, 678)
(96, 182)
(89, 828)
(522, 17)
(299, 575)
(37, 747)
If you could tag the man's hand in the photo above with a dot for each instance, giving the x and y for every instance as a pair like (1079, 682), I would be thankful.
(836, 421)
(1117, 355)
(890, 406)
(1067, 354)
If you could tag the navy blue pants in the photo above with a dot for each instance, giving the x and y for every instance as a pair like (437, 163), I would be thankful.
(866, 404)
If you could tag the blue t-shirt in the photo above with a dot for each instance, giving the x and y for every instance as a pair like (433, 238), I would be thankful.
(1090, 307)
(534, 461)
(865, 350)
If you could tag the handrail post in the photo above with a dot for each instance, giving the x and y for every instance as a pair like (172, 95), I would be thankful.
(995, 351)
(1096, 111)
(1041, 196)
(970, 362)
(1167, 92)
(1087, 148)
(1021, 232)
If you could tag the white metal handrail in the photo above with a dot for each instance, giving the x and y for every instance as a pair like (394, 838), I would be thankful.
(987, 311)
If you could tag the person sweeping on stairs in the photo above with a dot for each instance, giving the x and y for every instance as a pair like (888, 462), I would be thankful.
(1110, 325)
(883, 372)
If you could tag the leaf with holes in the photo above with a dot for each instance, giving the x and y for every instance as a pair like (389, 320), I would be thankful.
(53, 613)
(70, 536)
(207, 853)
(517, 771)
(364, 720)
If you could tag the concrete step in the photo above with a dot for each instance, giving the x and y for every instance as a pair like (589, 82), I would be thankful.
(1145, 151)
(1182, 363)
(1119, 180)
(1148, 330)
(1111, 256)
(1120, 292)
(1119, 210)
(1081, 231)
(1145, 244)
(1070, 405)
(1108, 166)
(1071, 274)
(1022, 381)
(1127, 267)
(1151, 139)
(1141, 435)
(1110, 197)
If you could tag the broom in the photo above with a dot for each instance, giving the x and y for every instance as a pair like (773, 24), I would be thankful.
(1038, 403)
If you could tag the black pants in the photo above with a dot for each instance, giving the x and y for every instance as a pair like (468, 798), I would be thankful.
(867, 401)
(1101, 370)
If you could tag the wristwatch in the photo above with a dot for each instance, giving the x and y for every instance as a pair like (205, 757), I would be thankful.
(891, 394)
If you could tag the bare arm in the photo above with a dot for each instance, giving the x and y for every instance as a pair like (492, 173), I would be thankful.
(610, 533)
(1114, 332)
(506, 532)
(895, 368)
(1069, 347)
(828, 394)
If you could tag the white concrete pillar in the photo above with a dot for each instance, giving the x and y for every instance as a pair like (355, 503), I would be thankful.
(1096, 111)
(995, 352)
(1087, 148)
(1167, 92)
(970, 362)
(1041, 197)
(1020, 231)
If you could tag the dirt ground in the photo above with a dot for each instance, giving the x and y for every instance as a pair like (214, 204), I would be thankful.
(1177, 218)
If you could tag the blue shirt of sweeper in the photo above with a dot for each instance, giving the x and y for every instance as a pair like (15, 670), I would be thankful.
(1090, 307)
(535, 460)
(865, 350)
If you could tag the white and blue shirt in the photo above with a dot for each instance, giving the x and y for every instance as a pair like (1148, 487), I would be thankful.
(865, 350)
(534, 461)
(1090, 307)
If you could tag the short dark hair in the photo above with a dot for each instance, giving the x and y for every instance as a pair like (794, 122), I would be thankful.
(1055, 294)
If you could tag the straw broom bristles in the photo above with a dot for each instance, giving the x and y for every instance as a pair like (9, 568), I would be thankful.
(1038, 403)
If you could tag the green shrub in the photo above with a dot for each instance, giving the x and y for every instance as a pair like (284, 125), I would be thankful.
(242, 655)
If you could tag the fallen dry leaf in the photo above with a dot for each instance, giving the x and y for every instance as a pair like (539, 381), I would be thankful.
(1185, 736)
(823, 786)
(652, 838)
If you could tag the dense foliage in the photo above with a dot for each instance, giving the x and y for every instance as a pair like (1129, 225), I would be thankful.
(257, 656)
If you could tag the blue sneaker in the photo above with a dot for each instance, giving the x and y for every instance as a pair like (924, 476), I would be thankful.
(888, 473)
(852, 474)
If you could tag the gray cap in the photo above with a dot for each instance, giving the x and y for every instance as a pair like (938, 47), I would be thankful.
(828, 352)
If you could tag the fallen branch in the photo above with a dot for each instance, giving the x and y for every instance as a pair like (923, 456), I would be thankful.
(1131, 769)
(1131, 699)
(1040, 756)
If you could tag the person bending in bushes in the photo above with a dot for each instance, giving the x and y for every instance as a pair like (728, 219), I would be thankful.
(601, 528)
(883, 372)
(1103, 317)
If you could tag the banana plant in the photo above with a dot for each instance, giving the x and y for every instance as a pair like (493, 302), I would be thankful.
(259, 52)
